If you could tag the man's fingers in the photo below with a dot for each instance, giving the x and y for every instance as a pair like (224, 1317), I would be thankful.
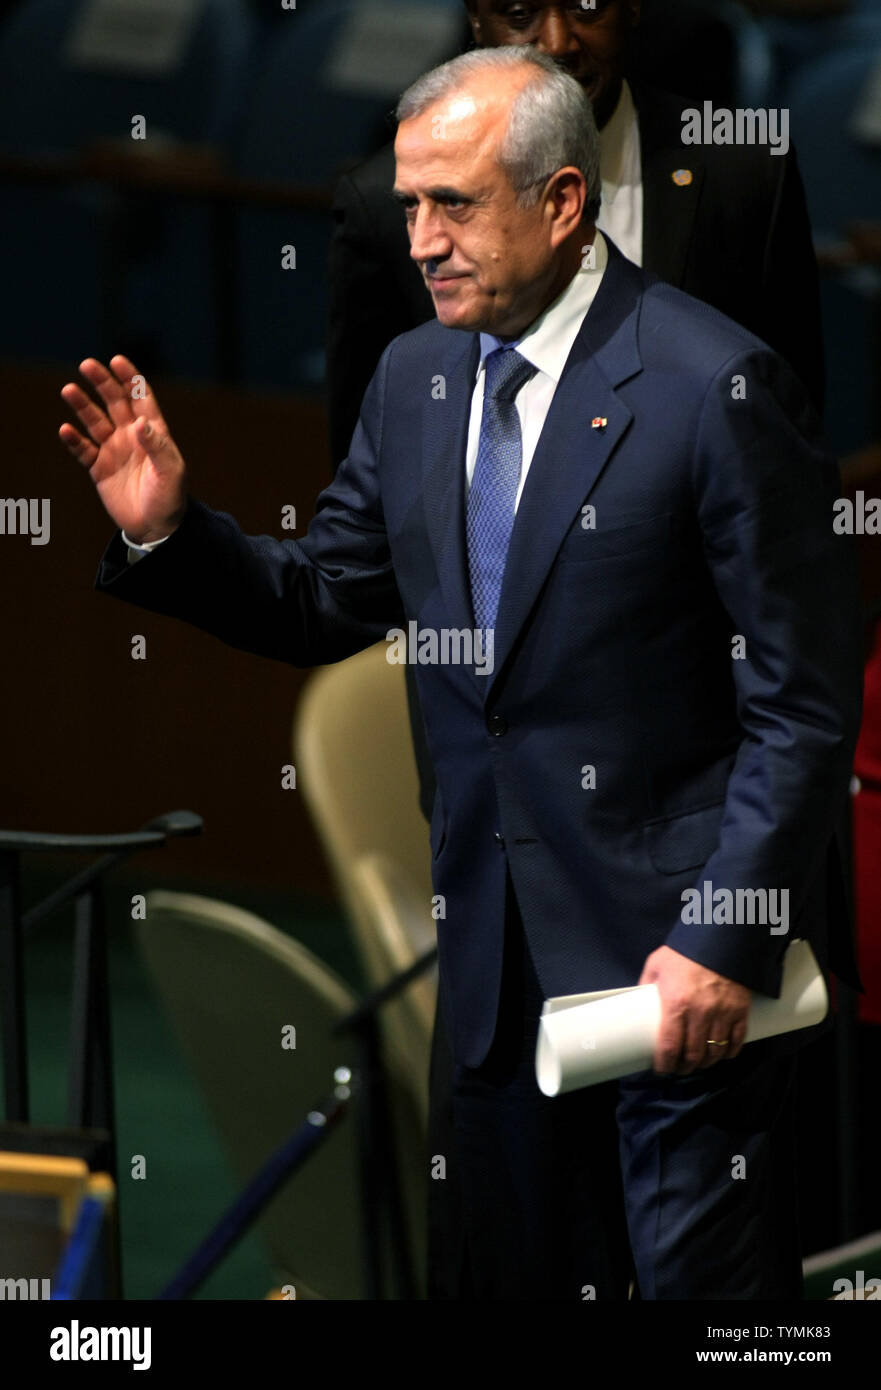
(98, 426)
(724, 1030)
(715, 1031)
(82, 449)
(140, 394)
(112, 392)
(738, 1038)
(697, 1039)
(671, 1039)
(696, 1053)
(126, 372)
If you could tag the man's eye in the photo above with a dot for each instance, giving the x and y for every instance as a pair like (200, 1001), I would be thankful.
(518, 17)
(521, 17)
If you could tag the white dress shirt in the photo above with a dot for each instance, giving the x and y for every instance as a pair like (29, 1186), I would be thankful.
(135, 552)
(546, 343)
(621, 173)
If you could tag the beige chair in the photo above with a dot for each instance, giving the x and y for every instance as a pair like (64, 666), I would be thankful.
(231, 983)
(846, 1272)
(355, 766)
(395, 930)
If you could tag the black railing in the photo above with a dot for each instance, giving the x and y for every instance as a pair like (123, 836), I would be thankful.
(90, 1096)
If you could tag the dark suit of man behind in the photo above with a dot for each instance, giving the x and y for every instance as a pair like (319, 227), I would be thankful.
(699, 451)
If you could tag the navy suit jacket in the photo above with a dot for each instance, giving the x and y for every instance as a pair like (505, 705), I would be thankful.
(613, 644)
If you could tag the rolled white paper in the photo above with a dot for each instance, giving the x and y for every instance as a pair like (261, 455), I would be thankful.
(584, 1039)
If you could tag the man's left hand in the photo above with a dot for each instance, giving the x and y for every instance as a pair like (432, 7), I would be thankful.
(700, 1011)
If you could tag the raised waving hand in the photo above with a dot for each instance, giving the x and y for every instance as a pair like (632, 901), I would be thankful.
(131, 457)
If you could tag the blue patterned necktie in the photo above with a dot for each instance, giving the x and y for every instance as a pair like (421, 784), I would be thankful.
(493, 491)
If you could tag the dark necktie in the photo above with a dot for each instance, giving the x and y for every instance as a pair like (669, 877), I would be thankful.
(493, 490)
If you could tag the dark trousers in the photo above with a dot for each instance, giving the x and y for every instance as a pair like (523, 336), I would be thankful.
(685, 1186)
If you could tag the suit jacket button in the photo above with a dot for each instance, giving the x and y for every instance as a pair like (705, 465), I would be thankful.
(497, 725)
(499, 839)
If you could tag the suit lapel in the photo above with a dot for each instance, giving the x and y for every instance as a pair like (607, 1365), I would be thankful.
(444, 441)
(570, 454)
(568, 459)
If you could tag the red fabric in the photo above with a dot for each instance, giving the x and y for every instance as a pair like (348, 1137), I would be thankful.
(867, 760)
(867, 870)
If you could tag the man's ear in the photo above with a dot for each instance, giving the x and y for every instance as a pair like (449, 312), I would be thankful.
(567, 192)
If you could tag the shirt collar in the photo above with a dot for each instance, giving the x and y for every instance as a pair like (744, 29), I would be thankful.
(548, 341)
(615, 135)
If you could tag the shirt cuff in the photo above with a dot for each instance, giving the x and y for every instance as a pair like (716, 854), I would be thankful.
(137, 552)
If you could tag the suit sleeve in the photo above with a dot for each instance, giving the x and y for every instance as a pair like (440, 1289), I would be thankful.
(304, 602)
(764, 493)
(364, 312)
(790, 285)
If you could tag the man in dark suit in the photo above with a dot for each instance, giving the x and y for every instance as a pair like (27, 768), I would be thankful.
(727, 224)
(627, 493)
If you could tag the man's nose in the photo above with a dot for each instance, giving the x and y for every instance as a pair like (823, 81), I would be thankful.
(428, 240)
(556, 36)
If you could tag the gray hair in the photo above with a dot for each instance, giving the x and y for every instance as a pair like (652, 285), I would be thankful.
(550, 123)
